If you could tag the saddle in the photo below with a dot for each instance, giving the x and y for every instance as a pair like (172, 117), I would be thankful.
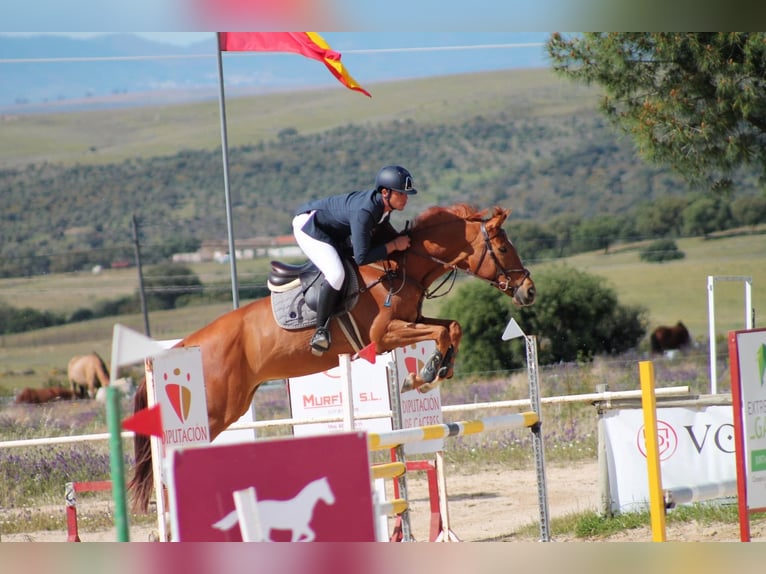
(295, 291)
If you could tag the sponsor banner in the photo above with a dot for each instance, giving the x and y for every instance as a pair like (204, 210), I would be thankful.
(321, 395)
(418, 409)
(751, 356)
(307, 489)
(180, 391)
(696, 448)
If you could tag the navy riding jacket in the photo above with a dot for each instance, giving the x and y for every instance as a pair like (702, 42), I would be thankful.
(349, 218)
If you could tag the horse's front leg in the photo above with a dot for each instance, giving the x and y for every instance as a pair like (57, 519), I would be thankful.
(445, 333)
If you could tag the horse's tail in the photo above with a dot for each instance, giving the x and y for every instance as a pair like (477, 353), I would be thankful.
(143, 480)
(102, 372)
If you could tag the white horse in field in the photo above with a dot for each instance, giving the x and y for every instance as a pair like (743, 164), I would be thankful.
(294, 514)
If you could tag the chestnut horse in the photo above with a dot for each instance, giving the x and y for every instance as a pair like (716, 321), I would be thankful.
(86, 374)
(246, 347)
(33, 396)
(669, 338)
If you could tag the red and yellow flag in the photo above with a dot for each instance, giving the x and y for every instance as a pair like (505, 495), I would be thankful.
(308, 44)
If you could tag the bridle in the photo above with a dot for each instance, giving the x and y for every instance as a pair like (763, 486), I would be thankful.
(504, 285)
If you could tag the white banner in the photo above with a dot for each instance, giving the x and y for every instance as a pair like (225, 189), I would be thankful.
(179, 387)
(321, 395)
(696, 447)
(751, 356)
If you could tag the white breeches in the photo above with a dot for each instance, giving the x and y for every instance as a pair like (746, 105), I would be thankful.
(322, 254)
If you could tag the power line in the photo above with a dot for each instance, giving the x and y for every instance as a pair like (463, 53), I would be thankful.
(199, 56)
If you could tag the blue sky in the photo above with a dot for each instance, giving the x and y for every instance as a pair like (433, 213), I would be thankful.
(375, 15)
(175, 38)
(380, 15)
(339, 15)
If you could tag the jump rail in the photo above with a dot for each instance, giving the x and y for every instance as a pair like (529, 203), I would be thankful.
(392, 439)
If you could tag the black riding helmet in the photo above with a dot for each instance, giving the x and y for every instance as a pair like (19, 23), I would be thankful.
(395, 177)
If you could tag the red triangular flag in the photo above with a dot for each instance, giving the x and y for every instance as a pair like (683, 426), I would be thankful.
(146, 421)
(369, 353)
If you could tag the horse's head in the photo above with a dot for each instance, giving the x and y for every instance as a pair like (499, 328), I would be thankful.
(499, 262)
(460, 237)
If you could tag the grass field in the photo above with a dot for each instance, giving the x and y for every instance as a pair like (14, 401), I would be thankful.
(102, 136)
(677, 290)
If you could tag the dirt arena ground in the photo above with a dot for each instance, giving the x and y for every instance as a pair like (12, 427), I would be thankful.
(491, 505)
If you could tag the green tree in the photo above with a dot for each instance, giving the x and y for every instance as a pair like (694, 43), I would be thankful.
(694, 101)
(577, 316)
(749, 211)
(483, 314)
(662, 217)
(164, 284)
(705, 215)
(533, 240)
(597, 233)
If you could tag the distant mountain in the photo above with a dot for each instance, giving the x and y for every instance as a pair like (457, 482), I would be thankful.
(122, 69)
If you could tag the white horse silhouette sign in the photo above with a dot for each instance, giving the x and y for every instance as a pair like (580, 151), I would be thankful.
(293, 515)
(308, 489)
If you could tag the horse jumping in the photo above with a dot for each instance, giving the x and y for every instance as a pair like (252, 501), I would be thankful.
(246, 347)
(86, 374)
(669, 338)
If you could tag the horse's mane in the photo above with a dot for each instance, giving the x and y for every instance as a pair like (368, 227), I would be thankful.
(436, 214)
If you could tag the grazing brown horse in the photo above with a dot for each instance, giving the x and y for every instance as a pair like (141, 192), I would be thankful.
(669, 338)
(44, 395)
(246, 347)
(86, 374)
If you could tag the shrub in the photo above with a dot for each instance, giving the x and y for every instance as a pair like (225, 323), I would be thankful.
(576, 317)
(661, 250)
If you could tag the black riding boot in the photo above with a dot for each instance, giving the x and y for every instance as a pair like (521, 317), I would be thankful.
(328, 298)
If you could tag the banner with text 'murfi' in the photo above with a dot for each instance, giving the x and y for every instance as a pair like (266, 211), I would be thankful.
(179, 388)
(320, 395)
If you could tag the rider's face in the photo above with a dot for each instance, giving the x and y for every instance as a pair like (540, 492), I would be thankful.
(397, 200)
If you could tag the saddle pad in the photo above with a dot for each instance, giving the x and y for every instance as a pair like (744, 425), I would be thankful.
(290, 310)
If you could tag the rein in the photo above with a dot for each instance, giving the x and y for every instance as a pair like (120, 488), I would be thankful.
(501, 285)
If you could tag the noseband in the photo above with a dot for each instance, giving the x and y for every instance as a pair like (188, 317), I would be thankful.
(506, 273)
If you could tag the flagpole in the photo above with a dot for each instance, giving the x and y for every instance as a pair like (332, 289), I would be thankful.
(227, 192)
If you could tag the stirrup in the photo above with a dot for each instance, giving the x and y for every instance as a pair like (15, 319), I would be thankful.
(321, 341)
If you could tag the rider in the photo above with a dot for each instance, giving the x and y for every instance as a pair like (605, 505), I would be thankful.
(325, 227)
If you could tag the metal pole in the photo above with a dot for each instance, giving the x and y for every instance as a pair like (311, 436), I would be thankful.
(117, 464)
(711, 333)
(396, 424)
(141, 289)
(537, 438)
(227, 192)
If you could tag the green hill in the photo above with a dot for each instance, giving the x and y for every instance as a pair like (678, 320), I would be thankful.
(71, 183)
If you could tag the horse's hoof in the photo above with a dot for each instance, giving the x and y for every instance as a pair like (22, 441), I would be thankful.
(428, 372)
(442, 374)
(409, 383)
(423, 389)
